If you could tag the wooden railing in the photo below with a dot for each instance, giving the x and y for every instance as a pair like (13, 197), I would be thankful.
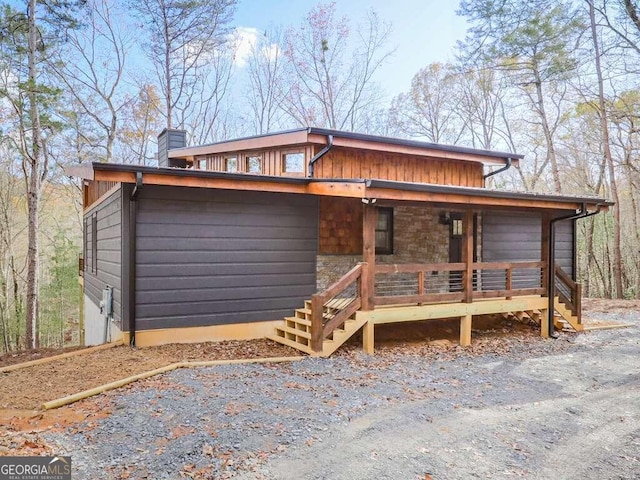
(331, 308)
(445, 282)
(568, 291)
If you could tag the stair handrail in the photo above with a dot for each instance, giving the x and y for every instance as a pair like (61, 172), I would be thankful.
(319, 330)
(574, 302)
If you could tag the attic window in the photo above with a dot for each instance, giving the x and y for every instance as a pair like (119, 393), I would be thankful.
(202, 164)
(254, 164)
(231, 164)
(293, 162)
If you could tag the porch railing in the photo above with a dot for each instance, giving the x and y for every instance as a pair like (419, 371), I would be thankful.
(568, 291)
(444, 282)
(331, 308)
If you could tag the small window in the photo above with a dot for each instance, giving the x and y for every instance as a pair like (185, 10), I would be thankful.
(456, 227)
(293, 162)
(384, 231)
(231, 164)
(94, 243)
(254, 164)
(202, 164)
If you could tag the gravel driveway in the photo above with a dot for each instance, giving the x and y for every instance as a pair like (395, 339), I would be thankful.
(554, 409)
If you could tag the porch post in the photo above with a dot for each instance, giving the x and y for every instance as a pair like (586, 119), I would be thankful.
(368, 280)
(467, 256)
(369, 220)
(547, 272)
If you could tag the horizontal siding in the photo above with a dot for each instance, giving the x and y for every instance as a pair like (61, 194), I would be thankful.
(212, 257)
(517, 237)
(109, 253)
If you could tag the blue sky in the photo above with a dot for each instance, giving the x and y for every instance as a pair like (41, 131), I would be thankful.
(424, 31)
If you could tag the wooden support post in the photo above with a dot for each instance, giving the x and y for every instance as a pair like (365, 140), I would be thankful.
(317, 308)
(467, 256)
(544, 252)
(368, 337)
(465, 330)
(369, 220)
(578, 302)
(509, 282)
(544, 324)
(420, 284)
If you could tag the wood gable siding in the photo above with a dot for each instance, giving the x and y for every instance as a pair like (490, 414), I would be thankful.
(94, 189)
(215, 257)
(106, 268)
(349, 163)
(271, 159)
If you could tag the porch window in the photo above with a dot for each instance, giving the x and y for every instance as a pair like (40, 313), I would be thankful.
(293, 162)
(202, 164)
(456, 227)
(254, 164)
(231, 164)
(384, 231)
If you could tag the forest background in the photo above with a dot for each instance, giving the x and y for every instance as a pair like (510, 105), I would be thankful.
(97, 80)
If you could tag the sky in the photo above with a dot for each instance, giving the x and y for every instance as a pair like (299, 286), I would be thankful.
(423, 31)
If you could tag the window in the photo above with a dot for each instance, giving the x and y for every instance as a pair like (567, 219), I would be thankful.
(456, 227)
(202, 164)
(94, 243)
(384, 231)
(293, 162)
(231, 164)
(254, 164)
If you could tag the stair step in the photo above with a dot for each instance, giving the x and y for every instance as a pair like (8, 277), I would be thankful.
(294, 331)
(301, 321)
(291, 343)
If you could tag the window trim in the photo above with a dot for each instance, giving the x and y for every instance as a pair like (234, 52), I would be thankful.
(389, 230)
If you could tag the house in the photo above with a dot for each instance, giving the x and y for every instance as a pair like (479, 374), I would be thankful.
(308, 235)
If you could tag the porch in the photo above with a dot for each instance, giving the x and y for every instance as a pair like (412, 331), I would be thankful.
(374, 293)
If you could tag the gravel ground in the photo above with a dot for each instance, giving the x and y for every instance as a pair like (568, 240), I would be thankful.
(517, 408)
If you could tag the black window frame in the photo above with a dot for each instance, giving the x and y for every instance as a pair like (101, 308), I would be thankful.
(386, 249)
(94, 243)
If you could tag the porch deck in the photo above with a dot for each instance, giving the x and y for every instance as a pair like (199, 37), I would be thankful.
(438, 291)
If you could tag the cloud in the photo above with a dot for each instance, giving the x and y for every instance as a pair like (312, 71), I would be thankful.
(244, 38)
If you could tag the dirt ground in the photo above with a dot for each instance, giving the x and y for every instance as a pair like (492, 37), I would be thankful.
(509, 406)
(28, 388)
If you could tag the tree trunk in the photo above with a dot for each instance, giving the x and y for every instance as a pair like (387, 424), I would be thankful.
(551, 150)
(33, 185)
(604, 127)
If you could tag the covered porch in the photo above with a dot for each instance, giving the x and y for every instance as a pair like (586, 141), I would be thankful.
(378, 291)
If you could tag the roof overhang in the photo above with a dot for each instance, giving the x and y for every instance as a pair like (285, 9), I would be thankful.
(319, 136)
(383, 190)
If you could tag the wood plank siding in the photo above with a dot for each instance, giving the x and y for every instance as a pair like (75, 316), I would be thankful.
(214, 257)
(346, 163)
(103, 259)
(93, 190)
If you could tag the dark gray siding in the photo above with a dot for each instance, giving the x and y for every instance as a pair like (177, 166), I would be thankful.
(211, 257)
(517, 237)
(108, 262)
(168, 140)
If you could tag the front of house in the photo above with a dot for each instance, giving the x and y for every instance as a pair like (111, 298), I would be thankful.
(309, 235)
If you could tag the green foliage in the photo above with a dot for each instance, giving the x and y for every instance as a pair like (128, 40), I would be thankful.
(59, 298)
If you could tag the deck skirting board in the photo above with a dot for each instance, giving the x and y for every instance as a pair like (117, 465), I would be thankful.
(453, 310)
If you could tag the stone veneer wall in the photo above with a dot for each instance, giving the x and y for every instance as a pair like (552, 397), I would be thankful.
(418, 238)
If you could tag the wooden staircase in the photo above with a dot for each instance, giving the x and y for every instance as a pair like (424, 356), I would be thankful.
(565, 317)
(328, 319)
(295, 331)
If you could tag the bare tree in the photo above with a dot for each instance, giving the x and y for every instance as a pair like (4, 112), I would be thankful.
(330, 84)
(92, 68)
(265, 93)
(179, 35)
